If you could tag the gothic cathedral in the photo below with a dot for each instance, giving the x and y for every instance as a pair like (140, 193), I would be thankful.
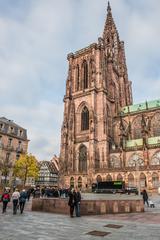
(104, 136)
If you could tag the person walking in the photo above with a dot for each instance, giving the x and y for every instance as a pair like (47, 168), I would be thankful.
(15, 199)
(71, 203)
(77, 201)
(5, 200)
(28, 194)
(145, 197)
(22, 200)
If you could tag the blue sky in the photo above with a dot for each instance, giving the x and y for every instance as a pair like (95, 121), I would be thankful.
(35, 38)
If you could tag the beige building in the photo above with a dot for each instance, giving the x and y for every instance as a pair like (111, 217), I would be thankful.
(104, 136)
(13, 142)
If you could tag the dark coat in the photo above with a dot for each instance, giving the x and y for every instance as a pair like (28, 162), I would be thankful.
(77, 197)
(145, 195)
(71, 200)
(23, 197)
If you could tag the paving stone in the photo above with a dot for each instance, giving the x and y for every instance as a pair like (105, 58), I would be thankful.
(38, 226)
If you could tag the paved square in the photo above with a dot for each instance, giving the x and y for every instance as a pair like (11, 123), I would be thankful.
(46, 226)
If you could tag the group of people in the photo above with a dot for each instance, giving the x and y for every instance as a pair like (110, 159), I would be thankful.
(74, 202)
(18, 200)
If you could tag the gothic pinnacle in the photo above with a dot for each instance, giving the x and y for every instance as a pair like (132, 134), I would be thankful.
(109, 7)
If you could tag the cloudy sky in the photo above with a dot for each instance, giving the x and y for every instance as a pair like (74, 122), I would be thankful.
(35, 38)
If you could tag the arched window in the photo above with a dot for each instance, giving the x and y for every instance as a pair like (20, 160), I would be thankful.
(136, 127)
(82, 158)
(131, 180)
(109, 178)
(155, 125)
(72, 182)
(85, 119)
(119, 177)
(155, 180)
(85, 74)
(99, 178)
(77, 78)
(155, 160)
(79, 182)
(143, 182)
(135, 160)
(114, 162)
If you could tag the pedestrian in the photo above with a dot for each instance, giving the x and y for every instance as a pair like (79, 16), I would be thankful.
(77, 201)
(28, 194)
(145, 197)
(15, 199)
(5, 200)
(71, 203)
(22, 200)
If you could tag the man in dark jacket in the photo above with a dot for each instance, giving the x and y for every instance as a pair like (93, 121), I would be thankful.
(71, 202)
(77, 201)
(145, 197)
(22, 200)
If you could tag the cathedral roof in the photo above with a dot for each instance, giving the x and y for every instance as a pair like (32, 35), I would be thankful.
(140, 107)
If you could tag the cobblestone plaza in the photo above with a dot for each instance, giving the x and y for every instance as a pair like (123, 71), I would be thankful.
(39, 226)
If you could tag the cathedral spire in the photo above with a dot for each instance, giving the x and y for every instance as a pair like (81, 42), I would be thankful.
(110, 26)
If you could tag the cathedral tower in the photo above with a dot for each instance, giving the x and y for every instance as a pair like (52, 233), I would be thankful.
(97, 87)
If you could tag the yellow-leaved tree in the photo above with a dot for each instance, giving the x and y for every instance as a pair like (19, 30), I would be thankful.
(26, 166)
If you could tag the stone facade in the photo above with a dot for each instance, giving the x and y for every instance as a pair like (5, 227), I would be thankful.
(13, 142)
(103, 135)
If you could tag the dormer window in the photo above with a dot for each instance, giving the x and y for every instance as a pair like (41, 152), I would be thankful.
(11, 130)
(20, 133)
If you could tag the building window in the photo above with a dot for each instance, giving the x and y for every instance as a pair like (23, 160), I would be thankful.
(82, 158)
(155, 125)
(1, 126)
(85, 74)
(11, 130)
(155, 180)
(114, 162)
(99, 178)
(7, 156)
(10, 142)
(137, 129)
(135, 160)
(155, 160)
(109, 178)
(79, 182)
(77, 78)
(20, 133)
(119, 177)
(72, 182)
(143, 182)
(131, 180)
(85, 119)
(19, 144)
